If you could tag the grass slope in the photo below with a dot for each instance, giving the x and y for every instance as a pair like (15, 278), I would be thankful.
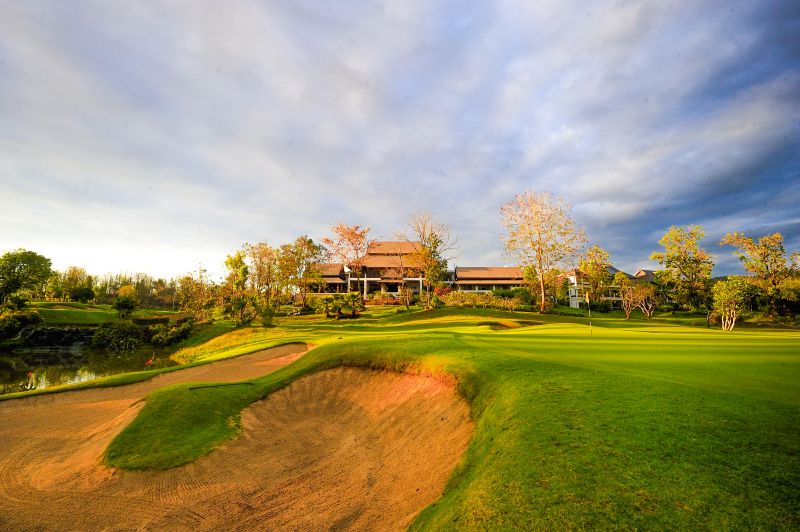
(638, 425)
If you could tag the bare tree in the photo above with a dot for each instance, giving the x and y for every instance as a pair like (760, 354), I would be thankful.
(350, 245)
(541, 233)
(405, 265)
(435, 245)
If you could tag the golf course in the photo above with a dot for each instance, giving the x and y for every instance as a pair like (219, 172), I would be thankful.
(427, 419)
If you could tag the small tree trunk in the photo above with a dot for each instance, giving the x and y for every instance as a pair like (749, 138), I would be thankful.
(541, 292)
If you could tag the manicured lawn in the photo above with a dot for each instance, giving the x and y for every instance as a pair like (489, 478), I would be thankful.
(638, 425)
(71, 313)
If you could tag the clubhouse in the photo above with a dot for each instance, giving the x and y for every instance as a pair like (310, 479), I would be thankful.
(390, 265)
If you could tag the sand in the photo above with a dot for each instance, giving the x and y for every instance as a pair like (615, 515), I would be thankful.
(343, 449)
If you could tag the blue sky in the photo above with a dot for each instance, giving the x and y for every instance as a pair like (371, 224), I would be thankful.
(154, 136)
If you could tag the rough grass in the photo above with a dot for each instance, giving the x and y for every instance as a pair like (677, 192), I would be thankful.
(638, 425)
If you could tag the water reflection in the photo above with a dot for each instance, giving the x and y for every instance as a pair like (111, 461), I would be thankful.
(38, 369)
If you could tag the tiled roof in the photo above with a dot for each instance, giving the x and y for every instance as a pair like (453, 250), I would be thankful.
(488, 272)
(389, 261)
(488, 281)
(392, 247)
(332, 269)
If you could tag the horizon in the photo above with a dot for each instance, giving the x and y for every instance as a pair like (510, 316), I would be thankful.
(152, 139)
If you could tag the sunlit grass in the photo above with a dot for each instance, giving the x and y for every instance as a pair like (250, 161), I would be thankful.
(627, 425)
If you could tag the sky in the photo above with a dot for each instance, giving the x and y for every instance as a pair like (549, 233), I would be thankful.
(157, 136)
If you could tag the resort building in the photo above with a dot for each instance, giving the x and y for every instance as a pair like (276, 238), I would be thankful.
(486, 278)
(577, 288)
(389, 265)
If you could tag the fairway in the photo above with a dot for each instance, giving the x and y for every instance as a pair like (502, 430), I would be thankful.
(629, 424)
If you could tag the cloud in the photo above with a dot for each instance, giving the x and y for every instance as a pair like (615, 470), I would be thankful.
(154, 136)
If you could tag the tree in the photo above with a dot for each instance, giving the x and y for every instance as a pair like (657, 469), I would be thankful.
(628, 294)
(766, 260)
(541, 233)
(435, 243)
(349, 245)
(556, 283)
(264, 267)
(126, 301)
(300, 261)
(689, 266)
(82, 294)
(593, 271)
(730, 296)
(405, 266)
(238, 302)
(23, 270)
(354, 302)
(646, 298)
(197, 295)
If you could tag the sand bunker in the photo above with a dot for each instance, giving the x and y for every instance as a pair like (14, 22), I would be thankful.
(345, 448)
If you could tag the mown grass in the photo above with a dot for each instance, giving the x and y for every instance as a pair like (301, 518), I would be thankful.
(81, 314)
(638, 425)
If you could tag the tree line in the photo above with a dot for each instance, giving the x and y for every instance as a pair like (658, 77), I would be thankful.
(540, 234)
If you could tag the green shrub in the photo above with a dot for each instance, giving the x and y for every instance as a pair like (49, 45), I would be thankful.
(125, 305)
(151, 320)
(18, 300)
(13, 321)
(459, 298)
(83, 294)
(164, 335)
(601, 306)
(119, 339)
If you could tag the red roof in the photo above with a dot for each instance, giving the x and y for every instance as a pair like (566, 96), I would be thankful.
(389, 247)
(333, 269)
(486, 274)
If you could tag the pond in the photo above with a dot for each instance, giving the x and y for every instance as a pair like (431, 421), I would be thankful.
(44, 367)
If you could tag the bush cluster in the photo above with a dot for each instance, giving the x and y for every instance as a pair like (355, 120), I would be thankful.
(13, 321)
(151, 320)
(458, 298)
(164, 335)
(521, 293)
(379, 299)
(119, 339)
(339, 305)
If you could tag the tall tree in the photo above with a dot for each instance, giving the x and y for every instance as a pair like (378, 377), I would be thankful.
(238, 301)
(541, 234)
(300, 261)
(435, 243)
(264, 266)
(349, 245)
(126, 301)
(628, 293)
(23, 270)
(404, 265)
(197, 295)
(593, 271)
(730, 297)
(689, 265)
(766, 260)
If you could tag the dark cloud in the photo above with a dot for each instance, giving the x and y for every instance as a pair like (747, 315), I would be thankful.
(154, 136)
